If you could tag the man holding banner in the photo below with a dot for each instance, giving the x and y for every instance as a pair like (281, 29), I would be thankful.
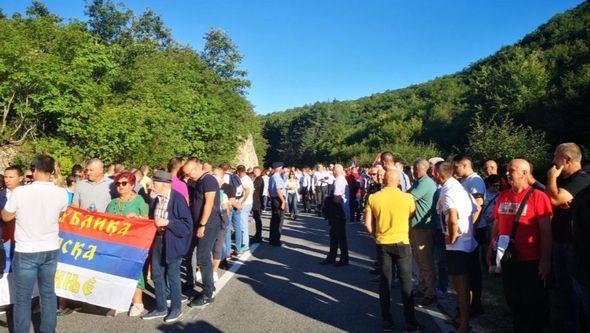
(37, 208)
(175, 225)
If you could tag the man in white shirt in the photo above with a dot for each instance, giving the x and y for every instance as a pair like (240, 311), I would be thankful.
(338, 221)
(13, 177)
(305, 186)
(456, 208)
(321, 180)
(36, 208)
(246, 202)
(474, 184)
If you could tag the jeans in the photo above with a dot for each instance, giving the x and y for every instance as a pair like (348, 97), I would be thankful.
(166, 277)
(563, 266)
(525, 295)
(440, 260)
(236, 222)
(356, 205)
(276, 222)
(244, 219)
(29, 268)
(204, 249)
(189, 262)
(227, 245)
(338, 240)
(399, 255)
(422, 241)
(258, 223)
(292, 200)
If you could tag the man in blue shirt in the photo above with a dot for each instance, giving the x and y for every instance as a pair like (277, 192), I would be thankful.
(276, 189)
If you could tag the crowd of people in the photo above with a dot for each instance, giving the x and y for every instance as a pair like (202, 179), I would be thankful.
(438, 216)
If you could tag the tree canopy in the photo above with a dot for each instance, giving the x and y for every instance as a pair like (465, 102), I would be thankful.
(116, 87)
(531, 94)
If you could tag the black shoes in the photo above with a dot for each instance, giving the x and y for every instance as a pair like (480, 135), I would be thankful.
(327, 262)
(255, 240)
(201, 302)
(341, 263)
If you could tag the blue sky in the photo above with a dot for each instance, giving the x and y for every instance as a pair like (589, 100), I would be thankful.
(298, 52)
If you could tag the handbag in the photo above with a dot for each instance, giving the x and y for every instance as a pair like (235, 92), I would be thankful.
(509, 254)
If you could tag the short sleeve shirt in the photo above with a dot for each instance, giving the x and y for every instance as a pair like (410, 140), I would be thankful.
(475, 185)
(206, 184)
(562, 217)
(453, 195)
(391, 209)
(275, 183)
(247, 183)
(88, 193)
(527, 239)
(423, 191)
(37, 208)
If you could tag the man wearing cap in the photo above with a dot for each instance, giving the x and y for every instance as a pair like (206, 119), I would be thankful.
(276, 189)
(173, 218)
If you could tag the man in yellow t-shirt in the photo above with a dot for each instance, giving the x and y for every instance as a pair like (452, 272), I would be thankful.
(387, 218)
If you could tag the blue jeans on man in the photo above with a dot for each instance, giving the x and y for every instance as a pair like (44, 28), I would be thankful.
(244, 221)
(236, 222)
(166, 277)
(28, 268)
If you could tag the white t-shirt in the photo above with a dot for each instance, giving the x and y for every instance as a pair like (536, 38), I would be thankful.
(341, 189)
(37, 207)
(265, 179)
(453, 195)
(248, 184)
(475, 185)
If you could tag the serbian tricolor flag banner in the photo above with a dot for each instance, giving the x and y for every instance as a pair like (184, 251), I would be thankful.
(101, 257)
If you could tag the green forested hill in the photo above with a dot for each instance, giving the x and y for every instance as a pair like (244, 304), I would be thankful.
(517, 102)
(118, 87)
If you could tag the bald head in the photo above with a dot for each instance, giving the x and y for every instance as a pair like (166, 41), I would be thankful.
(518, 173)
(392, 177)
(491, 167)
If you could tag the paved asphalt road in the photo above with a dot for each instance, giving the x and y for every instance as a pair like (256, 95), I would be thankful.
(277, 290)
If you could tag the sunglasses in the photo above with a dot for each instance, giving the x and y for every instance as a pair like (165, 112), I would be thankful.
(123, 183)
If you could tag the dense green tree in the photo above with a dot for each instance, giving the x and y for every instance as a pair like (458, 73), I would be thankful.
(539, 87)
(108, 20)
(222, 56)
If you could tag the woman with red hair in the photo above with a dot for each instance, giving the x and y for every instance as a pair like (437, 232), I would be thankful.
(130, 204)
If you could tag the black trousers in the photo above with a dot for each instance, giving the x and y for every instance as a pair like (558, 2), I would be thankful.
(306, 198)
(320, 194)
(422, 241)
(338, 240)
(258, 223)
(399, 255)
(204, 257)
(475, 282)
(526, 295)
(276, 221)
(187, 262)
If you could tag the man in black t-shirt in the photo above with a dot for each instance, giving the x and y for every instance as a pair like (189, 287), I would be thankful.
(565, 179)
(581, 235)
(257, 204)
(207, 214)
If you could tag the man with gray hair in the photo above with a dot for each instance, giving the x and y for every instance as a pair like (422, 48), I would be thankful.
(423, 230)
(96, 192)
(564, 180)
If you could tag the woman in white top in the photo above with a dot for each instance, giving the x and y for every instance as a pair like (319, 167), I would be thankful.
(292, 186)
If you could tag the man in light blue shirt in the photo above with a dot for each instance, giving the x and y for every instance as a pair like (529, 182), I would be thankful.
(276, 190)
